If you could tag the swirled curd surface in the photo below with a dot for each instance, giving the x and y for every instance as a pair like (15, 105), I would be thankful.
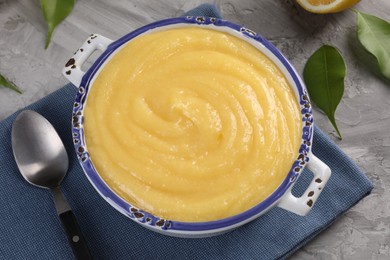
(192, 124)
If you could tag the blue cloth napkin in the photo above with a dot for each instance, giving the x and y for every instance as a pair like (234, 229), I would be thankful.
(30, 229)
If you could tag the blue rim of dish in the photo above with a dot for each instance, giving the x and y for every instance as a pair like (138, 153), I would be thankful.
(164, 224)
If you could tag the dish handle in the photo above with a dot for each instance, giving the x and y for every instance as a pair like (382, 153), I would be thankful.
(72, 69)
(302, 205)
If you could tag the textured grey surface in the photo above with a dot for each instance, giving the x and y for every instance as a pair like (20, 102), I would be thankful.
(363, 116)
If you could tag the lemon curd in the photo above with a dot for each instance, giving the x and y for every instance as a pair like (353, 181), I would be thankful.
(192, 124)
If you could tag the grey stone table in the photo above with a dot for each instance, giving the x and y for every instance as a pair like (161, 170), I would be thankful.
(363, 115)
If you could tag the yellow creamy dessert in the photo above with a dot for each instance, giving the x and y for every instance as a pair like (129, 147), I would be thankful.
(192, 124)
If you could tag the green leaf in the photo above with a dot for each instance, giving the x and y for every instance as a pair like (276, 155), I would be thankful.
(8, 84)
(324, 75)
(55, 11)
(374, 35)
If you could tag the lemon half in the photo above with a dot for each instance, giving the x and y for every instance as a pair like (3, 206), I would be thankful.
(326, 6)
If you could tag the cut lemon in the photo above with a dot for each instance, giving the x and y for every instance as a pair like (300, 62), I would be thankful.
(326, 6)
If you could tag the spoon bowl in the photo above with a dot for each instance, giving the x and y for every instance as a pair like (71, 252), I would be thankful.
(38, 150)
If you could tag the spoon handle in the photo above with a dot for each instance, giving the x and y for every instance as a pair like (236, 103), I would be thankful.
(75, 237)
(72, 229)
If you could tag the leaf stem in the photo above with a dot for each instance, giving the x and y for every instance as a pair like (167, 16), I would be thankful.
(48, 38)
(333, 121)
(354, 10)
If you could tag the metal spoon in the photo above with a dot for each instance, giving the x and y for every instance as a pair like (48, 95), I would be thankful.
(42, 160)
